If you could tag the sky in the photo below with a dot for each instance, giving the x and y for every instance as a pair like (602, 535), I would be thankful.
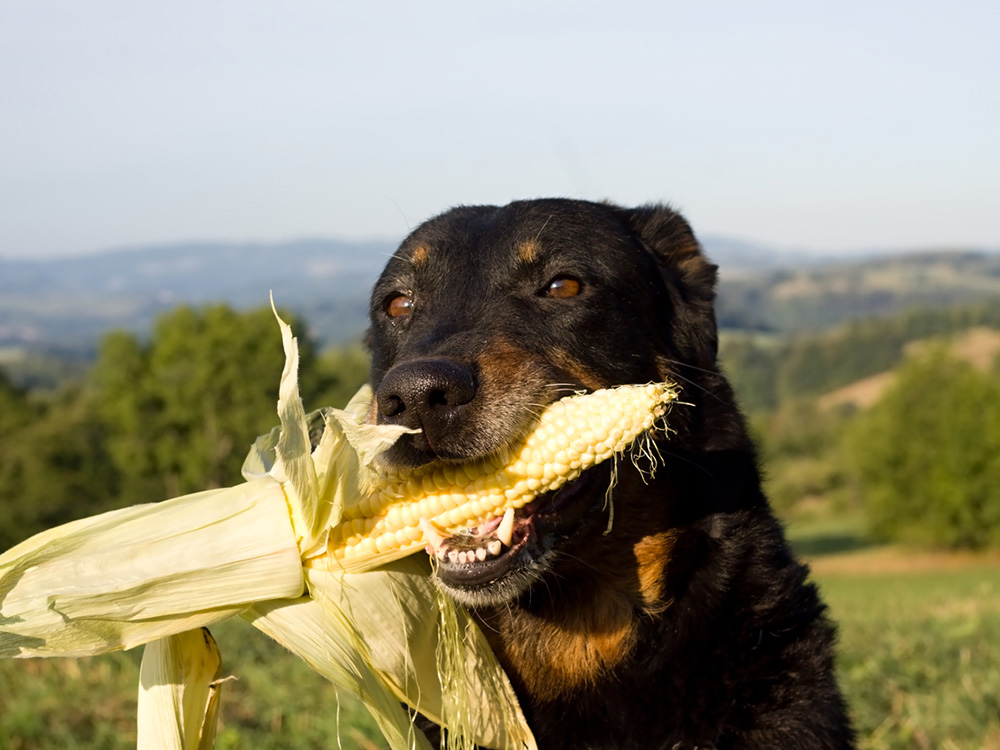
(823, 126)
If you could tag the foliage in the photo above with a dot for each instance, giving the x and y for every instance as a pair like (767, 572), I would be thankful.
(818, 296)
(182, 410)
(799, 445)
(154, 419)
(767, 372)
(927, 456)
(340, 372)
(52, 462)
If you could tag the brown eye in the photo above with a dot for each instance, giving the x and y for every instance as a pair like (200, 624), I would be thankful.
(563, 287)
(399, 306)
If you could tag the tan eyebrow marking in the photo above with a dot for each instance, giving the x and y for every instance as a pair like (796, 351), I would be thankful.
(420, 253)
(529, 251)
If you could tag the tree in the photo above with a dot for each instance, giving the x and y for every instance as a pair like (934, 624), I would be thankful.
(53, 467)
(927, 456)
(182, 410)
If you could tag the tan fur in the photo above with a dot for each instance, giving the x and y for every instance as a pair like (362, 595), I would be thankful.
(569, 648)
(652, 554)
(420, 255)
(592, 626)
(529, 251)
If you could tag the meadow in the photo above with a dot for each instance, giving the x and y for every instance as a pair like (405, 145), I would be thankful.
(919, 663)
(919, 656)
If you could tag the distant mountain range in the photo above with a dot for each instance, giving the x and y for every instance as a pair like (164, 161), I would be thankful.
(65, 305)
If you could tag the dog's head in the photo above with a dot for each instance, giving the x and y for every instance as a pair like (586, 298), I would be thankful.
(487, 314)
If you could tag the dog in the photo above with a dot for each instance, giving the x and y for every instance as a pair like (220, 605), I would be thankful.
(683, 622)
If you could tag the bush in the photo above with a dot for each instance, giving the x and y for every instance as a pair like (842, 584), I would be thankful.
(927, 456)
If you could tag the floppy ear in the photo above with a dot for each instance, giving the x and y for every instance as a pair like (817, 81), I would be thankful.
(689, 277)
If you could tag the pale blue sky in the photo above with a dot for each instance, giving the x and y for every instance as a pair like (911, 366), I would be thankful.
(832, 126)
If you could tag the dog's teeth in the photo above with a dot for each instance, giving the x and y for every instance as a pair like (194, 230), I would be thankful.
(480, 554)
(431, 534)
(442, 554)
(506, 528)
(453, 556)
(494, 547)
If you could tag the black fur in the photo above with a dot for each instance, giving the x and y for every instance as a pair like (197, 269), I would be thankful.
(689, 624)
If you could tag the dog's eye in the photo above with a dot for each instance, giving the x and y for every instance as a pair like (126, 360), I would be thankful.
(400, 305)
(563, 287)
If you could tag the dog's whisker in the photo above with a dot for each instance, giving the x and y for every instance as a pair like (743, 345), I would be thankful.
(701, 388)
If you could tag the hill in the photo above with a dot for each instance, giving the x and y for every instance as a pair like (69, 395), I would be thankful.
(979, 346)
(67, 304)
(816, 296)
(63, 306)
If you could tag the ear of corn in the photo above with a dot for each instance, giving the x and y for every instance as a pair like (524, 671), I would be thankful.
(572, 435)
(179, 684)
(288, 548)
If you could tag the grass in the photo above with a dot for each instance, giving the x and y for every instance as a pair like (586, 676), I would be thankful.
(277, 702)
(919, 664)
(920, 656)
(919, 639)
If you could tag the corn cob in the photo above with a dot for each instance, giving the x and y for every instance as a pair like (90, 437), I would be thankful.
(572, 435)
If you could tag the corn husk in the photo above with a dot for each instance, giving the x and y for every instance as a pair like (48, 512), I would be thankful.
(130, 576)
(179, 687)
(156, 573)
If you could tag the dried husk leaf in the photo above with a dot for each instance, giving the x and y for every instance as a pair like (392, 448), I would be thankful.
(293, 465)
(305, 628)
(179, 687)
(394, 612)
(130, 576)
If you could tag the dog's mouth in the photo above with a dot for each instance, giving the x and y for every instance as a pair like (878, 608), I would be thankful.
(500, 559)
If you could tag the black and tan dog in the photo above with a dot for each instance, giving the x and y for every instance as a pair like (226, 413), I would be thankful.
(688, 624)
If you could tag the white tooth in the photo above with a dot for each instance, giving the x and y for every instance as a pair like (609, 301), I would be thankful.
(480, 554)
(494, 547)
(453, 556)
(466, 557)
(506, 528)
(442, 554)
(431, 534)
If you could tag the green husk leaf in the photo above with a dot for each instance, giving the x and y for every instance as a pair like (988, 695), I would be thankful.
(129, 576)
(179, 689)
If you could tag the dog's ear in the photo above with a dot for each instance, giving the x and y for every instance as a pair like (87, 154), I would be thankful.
(689, 276)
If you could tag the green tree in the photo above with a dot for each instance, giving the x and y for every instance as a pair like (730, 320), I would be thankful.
(340, 372)
(53, 466)
(927, 456)
(182, 410)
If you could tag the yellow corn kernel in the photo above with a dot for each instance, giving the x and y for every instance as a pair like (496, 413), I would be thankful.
(572, 435)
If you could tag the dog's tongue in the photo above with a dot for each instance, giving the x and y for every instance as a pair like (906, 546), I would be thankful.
(487, 527)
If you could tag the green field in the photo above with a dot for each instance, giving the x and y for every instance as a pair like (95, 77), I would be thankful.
(920, 663)
(920, 653)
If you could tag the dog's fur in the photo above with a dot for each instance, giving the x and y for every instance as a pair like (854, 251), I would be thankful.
(687, 624)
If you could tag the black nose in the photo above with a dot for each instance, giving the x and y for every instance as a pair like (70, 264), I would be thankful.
(425, 394)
